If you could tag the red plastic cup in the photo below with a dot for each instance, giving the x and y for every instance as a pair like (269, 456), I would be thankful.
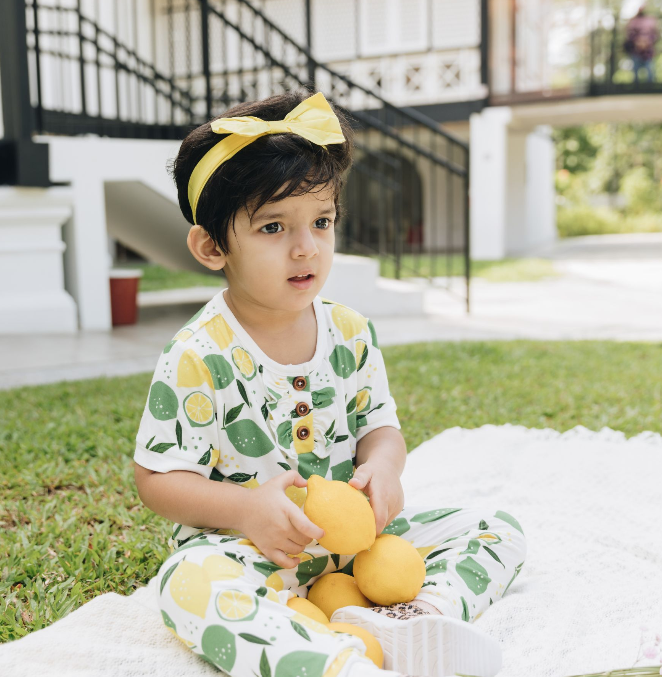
(124, 295)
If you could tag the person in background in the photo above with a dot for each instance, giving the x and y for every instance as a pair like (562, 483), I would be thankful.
(641, 35)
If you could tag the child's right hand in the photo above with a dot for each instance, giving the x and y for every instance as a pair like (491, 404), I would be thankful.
(275, 524)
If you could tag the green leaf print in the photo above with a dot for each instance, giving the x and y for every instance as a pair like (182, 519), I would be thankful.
(465, 610)
(219, 646)
(169, 346)
(168, 621)
(397, 527)
(433, 515)
(167, 575)
(162, 446)
(162, 401)
(300, 630)
(233, 413)
(265, 668)
(194, 544)
(284, 466)
(494, 555)
(364, 359)
(340, 438)
(351, 405)
(261, 592)
(323, 398)
(336, 559)
(300, 663)
(351, 423)
(436, 568)
(343, 472)
(518, 568)
(473, 574)
(253, 639)
(432, 555)
(248, 439)
(343, 361)
(242, 392)
(284, 434)
(220, 369)
(483, 525)
(216, 476)
(266, 568)
(241, 477)
(265, 411)
(508, 518)
(312, 464)
(178, 433)
(472, 548)
(348, 568)
(147, 445)
(329, 430)
(194, 318)
(206, 457)
(373, 334)
(311, 568)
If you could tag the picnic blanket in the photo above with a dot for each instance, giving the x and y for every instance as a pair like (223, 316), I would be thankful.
(588, 599)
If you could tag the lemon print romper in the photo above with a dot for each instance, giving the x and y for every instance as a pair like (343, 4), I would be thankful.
(220, 407)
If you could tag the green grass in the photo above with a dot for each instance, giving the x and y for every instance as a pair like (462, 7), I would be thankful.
(73, 526)
(157, 277)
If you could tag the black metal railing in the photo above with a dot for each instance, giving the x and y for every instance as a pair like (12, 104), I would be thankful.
(157, 69)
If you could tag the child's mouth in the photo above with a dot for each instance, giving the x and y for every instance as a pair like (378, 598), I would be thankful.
(301, 282)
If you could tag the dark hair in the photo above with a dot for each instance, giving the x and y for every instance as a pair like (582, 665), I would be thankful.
(252, 177)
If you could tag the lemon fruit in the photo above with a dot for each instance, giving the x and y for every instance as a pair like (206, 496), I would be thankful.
(235, 605)
(244, 362)
(363, 399)
(250, 544)
(390, 572)
(219, 331)
(275, 581)
(192, 371)
(190, 588)
(339, 662)
(199, 410)
(307, 608)
(333, 591)
(311, 623)
(183, 335)
(343, 512)
(373, 647)
(348, 321)
(221, 568)
(361, 351)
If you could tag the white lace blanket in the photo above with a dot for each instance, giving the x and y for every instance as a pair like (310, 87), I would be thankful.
(589, 598)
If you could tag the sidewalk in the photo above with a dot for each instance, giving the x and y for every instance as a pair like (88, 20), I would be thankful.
(610, 289)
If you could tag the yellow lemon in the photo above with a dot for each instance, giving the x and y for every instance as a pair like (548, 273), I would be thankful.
(303, 446)
(222, 568)
(273, 596)
(190, 588)
(339, 662)
(363, 398)
(348, 321)
(303, 556)
(296, 494)
(275, 581)
(219, 331)
(244, 363)
(234, 605)
(192, 371)
(425, 551)
(307, 608)
(361, 347)
(183, 335)
(250, 544)
(390, 572)
(333, 591)
(251, 483)
(343, 512)
(311, 623)
(199, 409)
(215, 454)
(373, 647)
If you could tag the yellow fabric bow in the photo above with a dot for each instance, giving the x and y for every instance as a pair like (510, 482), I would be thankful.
(313, 119)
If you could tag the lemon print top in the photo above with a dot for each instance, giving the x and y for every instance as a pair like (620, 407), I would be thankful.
(220, 407)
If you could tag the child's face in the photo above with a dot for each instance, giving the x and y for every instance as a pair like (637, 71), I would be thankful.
(283, 239)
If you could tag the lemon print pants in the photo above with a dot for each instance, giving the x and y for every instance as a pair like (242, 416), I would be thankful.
(228, 603)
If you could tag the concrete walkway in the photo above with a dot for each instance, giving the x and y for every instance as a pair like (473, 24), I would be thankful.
(610, 289)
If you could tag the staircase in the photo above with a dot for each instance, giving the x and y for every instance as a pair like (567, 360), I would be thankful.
(232, 52)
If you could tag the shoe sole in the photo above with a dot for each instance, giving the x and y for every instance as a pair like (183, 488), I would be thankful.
(430, 645)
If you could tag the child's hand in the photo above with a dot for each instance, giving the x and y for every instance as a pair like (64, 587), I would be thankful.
(384, 490)
(275, 524)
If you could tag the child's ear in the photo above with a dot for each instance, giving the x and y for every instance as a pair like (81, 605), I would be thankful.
(204, 248)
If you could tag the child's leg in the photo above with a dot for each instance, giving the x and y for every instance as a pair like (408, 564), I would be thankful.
(472, 555)
(227, 603)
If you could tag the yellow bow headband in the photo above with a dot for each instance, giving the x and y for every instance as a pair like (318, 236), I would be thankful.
(313, 119)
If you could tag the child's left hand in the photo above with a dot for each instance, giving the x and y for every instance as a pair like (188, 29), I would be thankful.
(384, 490)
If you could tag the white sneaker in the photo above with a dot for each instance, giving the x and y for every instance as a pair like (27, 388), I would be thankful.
(429, 645)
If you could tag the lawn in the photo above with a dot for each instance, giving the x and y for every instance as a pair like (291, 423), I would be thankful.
(157, 277)
(73, 526)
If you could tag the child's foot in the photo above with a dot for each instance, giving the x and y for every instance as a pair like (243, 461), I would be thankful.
(417, 642)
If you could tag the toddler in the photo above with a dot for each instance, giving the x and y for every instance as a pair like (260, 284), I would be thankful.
(270, 383)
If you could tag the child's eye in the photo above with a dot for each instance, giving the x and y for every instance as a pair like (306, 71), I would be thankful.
(328, 224)
(275, 223)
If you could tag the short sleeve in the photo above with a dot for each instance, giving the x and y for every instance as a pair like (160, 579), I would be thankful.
(375, 406)
(178, 428)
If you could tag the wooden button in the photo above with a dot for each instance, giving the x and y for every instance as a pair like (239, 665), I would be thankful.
(302, 408)
(299, 382)
(303, 433)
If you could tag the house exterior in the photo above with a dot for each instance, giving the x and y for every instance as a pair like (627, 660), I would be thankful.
(453, 100)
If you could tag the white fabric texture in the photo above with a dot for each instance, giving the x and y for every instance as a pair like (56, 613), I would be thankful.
(588, 599)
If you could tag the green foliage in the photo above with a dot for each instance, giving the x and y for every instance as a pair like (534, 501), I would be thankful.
(156, 277)
(585, 220)
(73, 526)
(642, 193)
